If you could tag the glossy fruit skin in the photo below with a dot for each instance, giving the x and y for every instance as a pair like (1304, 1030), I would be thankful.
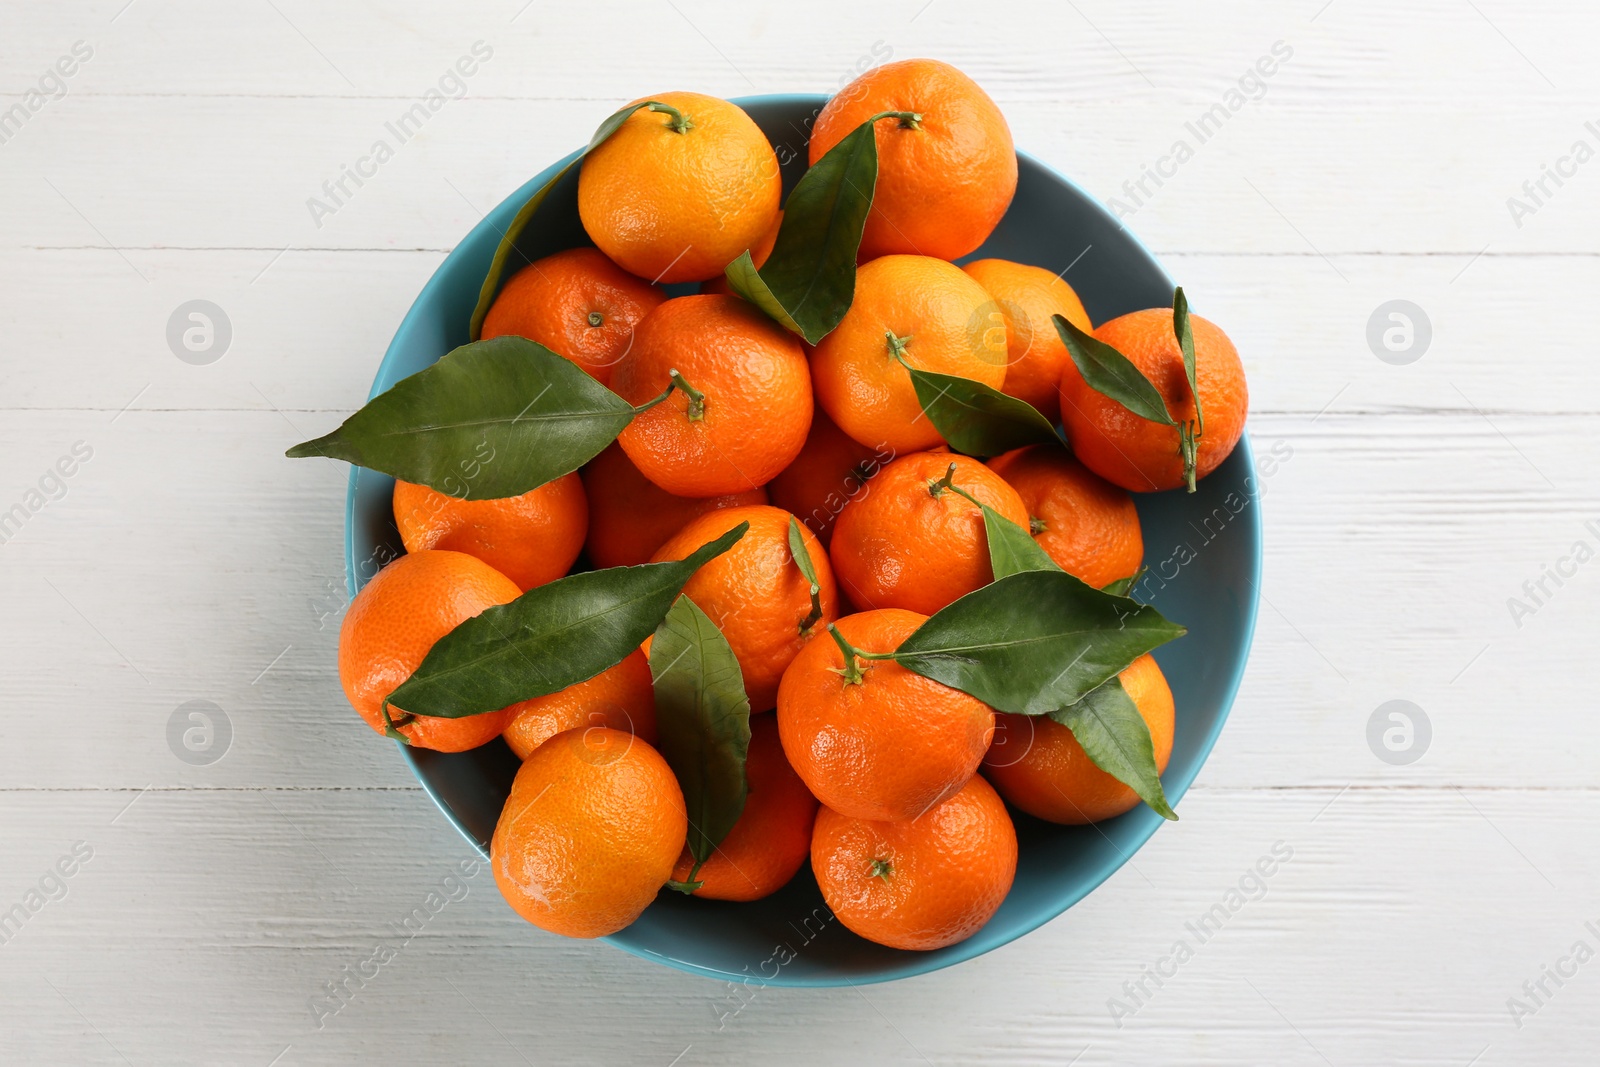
(393, 622)
(1143, 456)
(576, 303)
(900, 546)
(1038, 765)
(831, 470)
(889, 747)
(943, 186)
(757, 389)
(589, 834)
(1089, 526)
(772, 838)
(758, 256)
(679, 207)
(859, 383)
(943, 875)
(630, 516)
(755, 593)
(1025, 298)
(621, 697)
(531, 539)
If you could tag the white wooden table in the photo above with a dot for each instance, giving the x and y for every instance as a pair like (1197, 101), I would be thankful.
(184, 559)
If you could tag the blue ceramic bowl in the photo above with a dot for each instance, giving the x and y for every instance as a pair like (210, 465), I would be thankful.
(1203, 550)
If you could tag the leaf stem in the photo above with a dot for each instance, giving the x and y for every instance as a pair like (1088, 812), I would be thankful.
(974, 501)
(680, 122)
(697, 399)
(389, 724)
(689, 884)
(909, 120)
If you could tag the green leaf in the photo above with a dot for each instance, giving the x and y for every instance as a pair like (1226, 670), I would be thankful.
(550, 637)
(808, 282)
(1124, 586)
(1110, 372)
(702, 722)
(1107, 723)
(745, 279)
(975, 419)
(1180, 327)
(508, 239)
(1012, 549)
(490, 419)
(1034, 641)
(797, 549)
(802, 559)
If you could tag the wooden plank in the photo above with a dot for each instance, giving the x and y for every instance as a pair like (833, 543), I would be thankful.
(1281, 176)
(240, 906)
(1301, 330)
(1085, 53)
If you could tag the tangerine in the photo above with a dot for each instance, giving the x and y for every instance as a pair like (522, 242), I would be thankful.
(621, 697)
(576, 303)
(393, 622)
(682, 188)
(923, 884)
(915, 542)
(1024, 299)
(1144, 456)
(908, 310)
(630, 516)
(946, 168)
(589, 834)
(871, 739)
(756, 594)
(1083, 522)
(739, 404)
(531, 539)
(1053, 778)
(772, 838)
(831, 470)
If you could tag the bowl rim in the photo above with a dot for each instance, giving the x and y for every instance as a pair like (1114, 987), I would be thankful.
(913, 963)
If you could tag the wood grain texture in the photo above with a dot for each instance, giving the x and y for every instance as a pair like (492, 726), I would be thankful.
(185, 559)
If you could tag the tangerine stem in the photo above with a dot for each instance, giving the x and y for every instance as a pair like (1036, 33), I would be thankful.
(1189, 450)
(596, 319)
(697, 399)
(851, 671)
(947, 482)
(897, 346)
(680, 122)
(1036, 525)
(909, 120)
(816, 608)
(881, 869)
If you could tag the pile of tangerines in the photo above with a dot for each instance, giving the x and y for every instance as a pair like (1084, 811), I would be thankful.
(861, 522)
